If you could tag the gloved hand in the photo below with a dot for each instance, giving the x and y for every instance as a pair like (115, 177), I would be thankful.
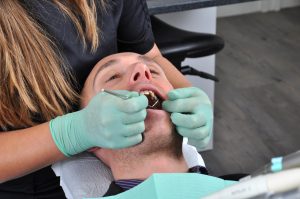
(107, 121)
(192, 114)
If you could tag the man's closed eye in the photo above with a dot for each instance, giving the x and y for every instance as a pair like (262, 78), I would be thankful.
(113, 77)
(153, 72)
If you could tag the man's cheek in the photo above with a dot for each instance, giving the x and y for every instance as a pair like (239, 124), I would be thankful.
(166, 86)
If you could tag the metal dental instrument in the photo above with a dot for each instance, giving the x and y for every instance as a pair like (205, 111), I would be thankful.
(153, 105)
(124, 97)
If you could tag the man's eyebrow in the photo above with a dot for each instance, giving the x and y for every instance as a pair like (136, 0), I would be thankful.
(147, 59)
(144, 58)
(104, 66)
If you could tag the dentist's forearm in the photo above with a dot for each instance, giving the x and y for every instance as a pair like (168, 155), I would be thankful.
(27, 150)
(174, 76)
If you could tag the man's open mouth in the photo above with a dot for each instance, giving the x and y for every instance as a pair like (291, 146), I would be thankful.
(154, 101)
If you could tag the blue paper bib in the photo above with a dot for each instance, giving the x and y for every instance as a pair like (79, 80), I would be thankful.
(174, 186)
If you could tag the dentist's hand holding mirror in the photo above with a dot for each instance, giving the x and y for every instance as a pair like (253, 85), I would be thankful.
(107, 121)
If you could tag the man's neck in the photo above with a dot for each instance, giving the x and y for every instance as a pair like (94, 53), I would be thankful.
(144, 168)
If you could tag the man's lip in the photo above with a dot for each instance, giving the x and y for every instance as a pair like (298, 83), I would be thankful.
(153, 113)
(158, 92)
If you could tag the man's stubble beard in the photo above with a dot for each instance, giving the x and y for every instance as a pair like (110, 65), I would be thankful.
(165, 144)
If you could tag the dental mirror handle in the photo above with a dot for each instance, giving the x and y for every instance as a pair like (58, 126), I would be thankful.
(114, 93)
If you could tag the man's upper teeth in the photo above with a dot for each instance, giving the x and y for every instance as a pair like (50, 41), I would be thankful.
(148, 92)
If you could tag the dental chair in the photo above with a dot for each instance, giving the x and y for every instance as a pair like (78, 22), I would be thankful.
(176, 44)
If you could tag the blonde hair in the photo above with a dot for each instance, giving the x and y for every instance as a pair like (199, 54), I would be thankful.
(33, 79)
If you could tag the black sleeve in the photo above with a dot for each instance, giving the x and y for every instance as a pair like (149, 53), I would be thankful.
(134, 31)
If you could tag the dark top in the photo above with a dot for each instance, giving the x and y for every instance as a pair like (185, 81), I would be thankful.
(125, 26)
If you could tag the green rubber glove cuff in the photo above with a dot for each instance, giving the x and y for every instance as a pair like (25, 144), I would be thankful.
(65, 136)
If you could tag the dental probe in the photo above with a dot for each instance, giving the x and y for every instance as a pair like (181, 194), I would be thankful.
(124, 97)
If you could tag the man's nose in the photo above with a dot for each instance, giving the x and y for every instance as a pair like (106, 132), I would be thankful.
(140, 73)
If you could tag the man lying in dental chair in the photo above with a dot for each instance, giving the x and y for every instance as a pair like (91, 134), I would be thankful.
(161, 148)
(170, 114)
(162, 124)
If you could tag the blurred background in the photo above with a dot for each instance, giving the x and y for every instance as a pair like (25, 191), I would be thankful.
(257, 100)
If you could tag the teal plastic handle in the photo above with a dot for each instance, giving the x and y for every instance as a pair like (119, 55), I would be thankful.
(276, 164)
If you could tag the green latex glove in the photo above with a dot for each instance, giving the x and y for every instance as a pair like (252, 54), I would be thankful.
(192, 114)
(107, 121)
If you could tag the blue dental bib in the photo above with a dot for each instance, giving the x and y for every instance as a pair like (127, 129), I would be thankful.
(174, 186)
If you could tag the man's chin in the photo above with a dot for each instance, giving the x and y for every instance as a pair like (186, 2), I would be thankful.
(156, 113)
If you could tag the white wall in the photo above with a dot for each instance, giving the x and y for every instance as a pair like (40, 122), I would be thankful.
(199, 20)
(256, 6)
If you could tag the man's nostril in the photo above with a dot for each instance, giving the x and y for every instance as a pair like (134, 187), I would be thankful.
(136, 76)
(147, 75)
